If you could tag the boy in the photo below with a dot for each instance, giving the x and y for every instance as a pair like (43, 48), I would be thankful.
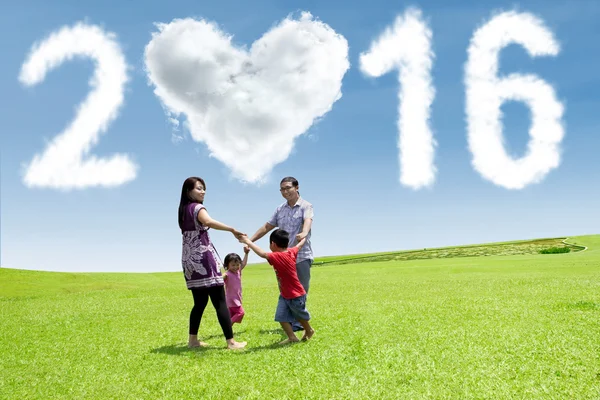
(292, 296)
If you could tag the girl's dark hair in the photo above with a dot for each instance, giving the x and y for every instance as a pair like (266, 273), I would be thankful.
(188, 185)
(229, 258)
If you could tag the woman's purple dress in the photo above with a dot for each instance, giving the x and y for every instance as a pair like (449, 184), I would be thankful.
(200, 261)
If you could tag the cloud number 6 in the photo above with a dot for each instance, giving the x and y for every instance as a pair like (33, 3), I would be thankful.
(485, 93)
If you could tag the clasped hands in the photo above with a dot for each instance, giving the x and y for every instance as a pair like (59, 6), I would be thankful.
(243, 238)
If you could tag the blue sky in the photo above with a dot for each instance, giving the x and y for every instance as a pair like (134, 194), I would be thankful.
(346, 163)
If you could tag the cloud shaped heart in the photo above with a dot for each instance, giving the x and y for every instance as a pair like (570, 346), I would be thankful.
(248, 106)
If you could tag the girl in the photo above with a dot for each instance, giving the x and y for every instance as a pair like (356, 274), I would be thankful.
(233, 284)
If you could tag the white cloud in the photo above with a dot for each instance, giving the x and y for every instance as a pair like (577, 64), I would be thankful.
(248, 106)
(486, 92)
(176, 139)
(66, 162)
(406, 47)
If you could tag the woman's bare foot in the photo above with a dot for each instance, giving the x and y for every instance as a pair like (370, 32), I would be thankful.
(233, 345)
(197, 343)
(194, 342)
(308, 335)
(288, 341)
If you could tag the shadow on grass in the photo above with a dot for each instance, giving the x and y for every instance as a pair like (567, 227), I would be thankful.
(183, 350)
(271, 331)
(219, 335)
(274, 346)
(279, 336)
(583, 306)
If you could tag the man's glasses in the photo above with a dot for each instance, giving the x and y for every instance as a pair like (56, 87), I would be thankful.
(285, 189)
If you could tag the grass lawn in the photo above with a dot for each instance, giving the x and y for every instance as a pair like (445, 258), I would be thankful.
(494, 322)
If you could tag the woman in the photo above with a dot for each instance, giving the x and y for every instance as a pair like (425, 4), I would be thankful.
(201, 263)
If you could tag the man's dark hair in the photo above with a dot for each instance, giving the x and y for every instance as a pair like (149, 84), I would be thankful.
(290, 179)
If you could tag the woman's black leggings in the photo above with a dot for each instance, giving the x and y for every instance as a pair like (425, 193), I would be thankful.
(217, 297)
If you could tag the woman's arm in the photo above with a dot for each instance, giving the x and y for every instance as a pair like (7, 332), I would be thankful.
(207, 221)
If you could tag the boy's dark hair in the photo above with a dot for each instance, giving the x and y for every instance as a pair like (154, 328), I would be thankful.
(229, 258)
(281, 238)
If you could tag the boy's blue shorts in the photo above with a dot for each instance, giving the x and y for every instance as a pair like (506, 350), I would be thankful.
(291, 310)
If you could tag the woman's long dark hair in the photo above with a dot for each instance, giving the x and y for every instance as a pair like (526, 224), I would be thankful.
(188, 185)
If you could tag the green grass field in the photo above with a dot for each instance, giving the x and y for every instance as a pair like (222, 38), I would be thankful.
(497, 321)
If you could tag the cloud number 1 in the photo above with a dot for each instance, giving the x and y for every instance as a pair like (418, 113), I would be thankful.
(66, 163)
(406, 46)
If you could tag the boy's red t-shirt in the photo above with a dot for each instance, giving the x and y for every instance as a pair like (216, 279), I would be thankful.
(284, 264)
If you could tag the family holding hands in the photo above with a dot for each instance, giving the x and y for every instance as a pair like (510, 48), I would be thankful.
(290, 255)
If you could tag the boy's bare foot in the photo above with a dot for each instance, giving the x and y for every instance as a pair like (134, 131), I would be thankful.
(197, 343)
(288, 341)
(233, 345)
(308, 335)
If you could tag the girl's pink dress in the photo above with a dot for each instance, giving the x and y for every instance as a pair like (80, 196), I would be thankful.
(233, 295)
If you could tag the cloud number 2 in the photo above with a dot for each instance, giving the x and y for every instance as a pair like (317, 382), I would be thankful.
(66, 162)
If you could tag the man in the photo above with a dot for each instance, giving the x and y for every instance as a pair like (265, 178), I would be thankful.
(295, 216)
